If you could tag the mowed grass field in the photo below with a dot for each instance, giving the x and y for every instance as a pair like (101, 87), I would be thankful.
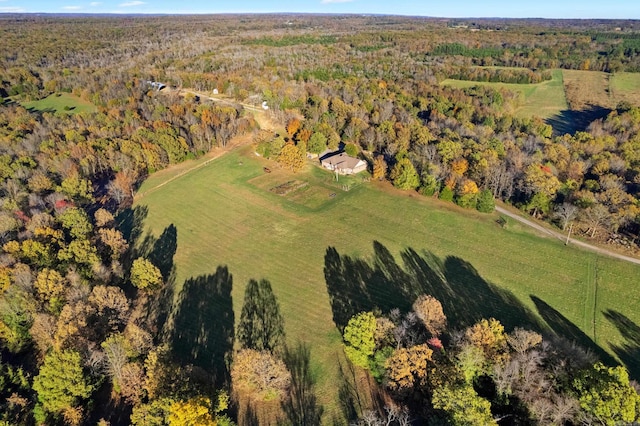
(58, 102)
(226, 214)
(544, 99)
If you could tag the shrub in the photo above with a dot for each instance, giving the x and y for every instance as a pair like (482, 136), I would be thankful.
(446, 194)
(486, 203)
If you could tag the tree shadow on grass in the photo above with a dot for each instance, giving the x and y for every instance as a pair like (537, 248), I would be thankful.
(160, 251)
(161, 254)
(570, 121)
(261, 325)
(301, 406)
(163, 249)
(356, 285)
(202, 332)
(629, 351)
(562, 327)
(130, 223)
(351, 402)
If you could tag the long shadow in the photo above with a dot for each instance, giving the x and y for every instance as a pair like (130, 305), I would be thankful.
(561, 326)
(163, 250)
(629, 351)
(570, 121)
(301, 407)
(355, 285)
(161, 255)
(130, 222)
(481, 299)
(261, 324)
(202, 332)
(351, 402)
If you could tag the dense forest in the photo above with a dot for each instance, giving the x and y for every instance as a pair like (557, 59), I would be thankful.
(83, 322)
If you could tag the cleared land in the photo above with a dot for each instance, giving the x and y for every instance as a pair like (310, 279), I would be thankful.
(61, 102)
(585, 89)
(625, 86)
(544, 99)
(317, 247)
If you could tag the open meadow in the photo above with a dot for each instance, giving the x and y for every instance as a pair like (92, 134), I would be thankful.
(60, 102)
(625, 86)
(330, 253)
(544, 99)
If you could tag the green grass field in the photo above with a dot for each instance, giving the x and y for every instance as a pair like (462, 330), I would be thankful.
(625, 86)
(388, 246)
(61, 102)
(544, 99)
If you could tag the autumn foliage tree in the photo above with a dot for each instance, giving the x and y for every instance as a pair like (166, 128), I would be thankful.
(429, 310)
(291, 157)
(379, 167)
(145, 275)
(260, 374)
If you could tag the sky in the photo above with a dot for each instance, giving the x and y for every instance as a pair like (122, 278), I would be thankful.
(626, 9)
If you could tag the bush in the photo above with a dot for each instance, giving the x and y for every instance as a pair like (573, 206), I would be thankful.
(486, 203)
(467, 201)
(351, 150)
(446, 194)
(429, 185)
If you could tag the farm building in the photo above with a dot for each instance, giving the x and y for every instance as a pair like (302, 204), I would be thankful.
(342, 163)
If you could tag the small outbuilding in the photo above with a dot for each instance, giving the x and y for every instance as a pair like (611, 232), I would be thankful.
(341, 163)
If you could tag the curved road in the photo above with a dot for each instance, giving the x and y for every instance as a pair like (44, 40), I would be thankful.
(563, 237)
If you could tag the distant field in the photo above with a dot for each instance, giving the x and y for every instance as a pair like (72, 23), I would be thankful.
(61, 102)
(625, 86)
(585, 89)
(544, 99)
(226, 214)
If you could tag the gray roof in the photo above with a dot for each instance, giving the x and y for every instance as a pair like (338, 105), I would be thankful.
(340, 161)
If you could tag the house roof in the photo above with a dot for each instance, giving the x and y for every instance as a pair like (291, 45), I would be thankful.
(341, 161)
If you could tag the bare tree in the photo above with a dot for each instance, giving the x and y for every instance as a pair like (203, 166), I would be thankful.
(565, 213)
(596, 217)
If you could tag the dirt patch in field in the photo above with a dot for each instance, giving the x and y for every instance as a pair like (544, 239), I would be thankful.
(288, 187)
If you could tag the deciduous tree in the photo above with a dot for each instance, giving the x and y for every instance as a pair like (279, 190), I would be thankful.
(463, 405)
(430, 312)
(408, 368)
(145, 275)
(260, 374)
(291, 157)
(605, 393)
(60, 383)
(404, 175)
(359, 338)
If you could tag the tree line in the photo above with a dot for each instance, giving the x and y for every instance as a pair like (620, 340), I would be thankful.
(482, 374)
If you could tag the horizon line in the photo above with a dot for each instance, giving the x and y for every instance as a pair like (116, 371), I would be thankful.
(360, 14)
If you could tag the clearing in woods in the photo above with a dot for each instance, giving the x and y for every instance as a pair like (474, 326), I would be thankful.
(329, 253)
(625, 86)
(544, 99)
(61, 102)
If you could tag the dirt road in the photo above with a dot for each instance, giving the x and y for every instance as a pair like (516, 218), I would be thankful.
(563, 237)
